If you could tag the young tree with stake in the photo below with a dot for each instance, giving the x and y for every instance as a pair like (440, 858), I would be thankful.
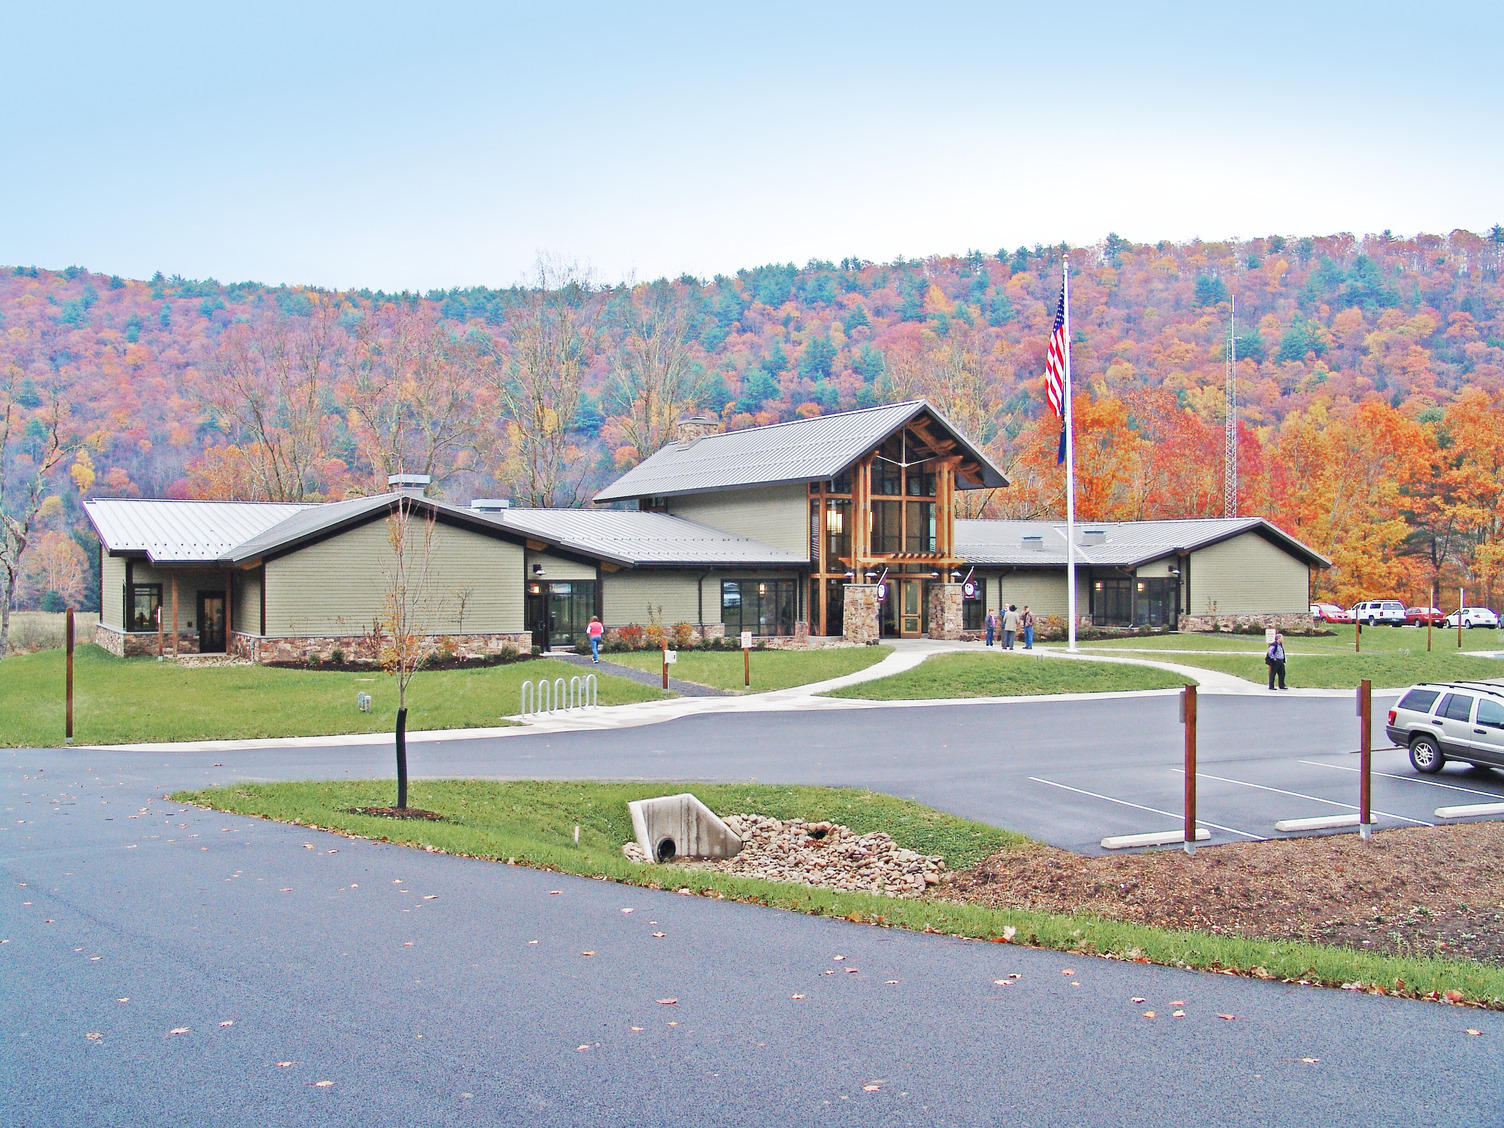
(406, 645)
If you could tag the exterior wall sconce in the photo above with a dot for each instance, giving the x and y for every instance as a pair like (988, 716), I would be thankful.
(762, 589)
(1099, 585)
(833, 521)
(1141, 585)
(538, 570)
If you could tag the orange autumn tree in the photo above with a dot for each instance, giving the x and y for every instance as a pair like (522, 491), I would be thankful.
(1334, 482)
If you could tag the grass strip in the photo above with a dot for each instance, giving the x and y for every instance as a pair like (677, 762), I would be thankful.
(1008, 675)
(123, 701)
(532, 822)
(1344, 671)
(771, 669)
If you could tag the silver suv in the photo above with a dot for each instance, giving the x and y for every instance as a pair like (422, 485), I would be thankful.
(1441, 721)
(1373, 611)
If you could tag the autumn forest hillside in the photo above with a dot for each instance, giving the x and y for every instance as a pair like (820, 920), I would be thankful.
(1370, 381)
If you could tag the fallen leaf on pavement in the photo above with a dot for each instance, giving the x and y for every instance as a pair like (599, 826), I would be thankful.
(635, 1029)
(587, 953)
(532, 941)
(285, 1064)
(871, 1088)
(554, 892)
(667, 1002)
(430, 896)
(1068, 971)
(1177, 1014)
(228, 1022)
(838, 958)
(627, 910)
(177, 1030)
(409, 944)
(1454, 996)
(94, 1036)
(660, 935)
(890, 982)
(673, 1024)
(124, 1000)
(322, 1084)
(1228, 1017)
(1136, 999)
(1310, 1061)
(1177, 1002)
(582, 1047)
(1149, 1014)
(1470, 1030)
(796, 996)
(851, 971)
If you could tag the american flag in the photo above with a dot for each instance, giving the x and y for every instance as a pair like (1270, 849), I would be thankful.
(1054, 365)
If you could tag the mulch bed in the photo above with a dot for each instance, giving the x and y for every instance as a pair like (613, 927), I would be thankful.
(397, 813)
(1420, 891)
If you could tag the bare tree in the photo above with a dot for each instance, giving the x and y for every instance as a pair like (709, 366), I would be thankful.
(410, 389)
(407, 644)
(31, 447)
(537, 389)
(272, 381)
(654, 376)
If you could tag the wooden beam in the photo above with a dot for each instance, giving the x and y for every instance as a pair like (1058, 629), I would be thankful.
(605, 567)
(536, 546)
(174, 614)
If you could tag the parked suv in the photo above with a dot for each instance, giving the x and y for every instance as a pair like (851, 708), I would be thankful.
(1441, 721)
(1372, 611)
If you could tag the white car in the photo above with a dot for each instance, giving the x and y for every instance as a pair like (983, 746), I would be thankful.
(1374, 611)
(1473, 617)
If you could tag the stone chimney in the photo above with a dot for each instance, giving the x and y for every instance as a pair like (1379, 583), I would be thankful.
(692, 427)
(414, 485)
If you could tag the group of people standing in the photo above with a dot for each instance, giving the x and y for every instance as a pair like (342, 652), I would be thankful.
(1011, 623)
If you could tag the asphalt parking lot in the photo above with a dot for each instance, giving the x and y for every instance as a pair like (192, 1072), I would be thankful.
(1066, 772)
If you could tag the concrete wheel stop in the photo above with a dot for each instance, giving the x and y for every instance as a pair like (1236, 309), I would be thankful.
(680, 826)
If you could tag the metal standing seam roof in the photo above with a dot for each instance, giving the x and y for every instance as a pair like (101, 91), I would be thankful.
(632, 537)
(1127, 543)
(181, 532)
(798, 451)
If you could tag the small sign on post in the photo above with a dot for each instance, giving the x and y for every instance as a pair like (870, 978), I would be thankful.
(665, 664)
(746, 659)
(1269, 633)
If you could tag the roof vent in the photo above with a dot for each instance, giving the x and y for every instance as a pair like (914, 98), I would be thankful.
(1093, 536)
(409, 483)
(692, 427)
(490, 504)
(1034, 542)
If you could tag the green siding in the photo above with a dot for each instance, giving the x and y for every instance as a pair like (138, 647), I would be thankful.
(1044, 592)
(190, 583)
(247, 614)
(112, 591)
(775, 515)
(336, 586)
(1156, 569)
(558, 568)
(1247, 575)
(627, 597)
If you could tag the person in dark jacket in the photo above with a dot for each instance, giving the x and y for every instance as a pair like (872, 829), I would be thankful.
(1274, 658)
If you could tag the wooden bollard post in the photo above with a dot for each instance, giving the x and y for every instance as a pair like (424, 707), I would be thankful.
(1357, 635)
(68, 634)
(665, 663)
(1188, 719)
(1365, 758)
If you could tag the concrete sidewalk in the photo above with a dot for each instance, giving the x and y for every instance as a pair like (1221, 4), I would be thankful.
(907, 654)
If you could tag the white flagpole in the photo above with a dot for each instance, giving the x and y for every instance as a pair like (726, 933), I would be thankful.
(1070, 466)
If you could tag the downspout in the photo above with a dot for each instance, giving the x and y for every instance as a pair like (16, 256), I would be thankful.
(700, 592)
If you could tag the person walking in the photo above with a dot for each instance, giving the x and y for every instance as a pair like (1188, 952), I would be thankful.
(595, 630)
(1026, 620)
(991, 624)
(1010, 626)
(1274, 658)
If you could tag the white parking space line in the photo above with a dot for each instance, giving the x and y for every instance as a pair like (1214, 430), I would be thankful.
(1302, 795)
(1141, 807)
(1408, 779)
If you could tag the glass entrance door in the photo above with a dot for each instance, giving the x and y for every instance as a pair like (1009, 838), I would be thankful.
(911, 613)
(211, 623)
(558, 612)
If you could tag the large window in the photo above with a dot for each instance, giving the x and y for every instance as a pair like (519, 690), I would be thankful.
(1155, 605)
(887, 526)
(146, 600)
(764, 607)
(921, 527)
(1112, 602)
(972, 611)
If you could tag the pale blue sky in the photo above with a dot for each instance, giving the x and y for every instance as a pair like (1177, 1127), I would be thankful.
(439, 144)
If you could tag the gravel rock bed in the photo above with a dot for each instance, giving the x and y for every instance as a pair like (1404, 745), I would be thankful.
(821, 854)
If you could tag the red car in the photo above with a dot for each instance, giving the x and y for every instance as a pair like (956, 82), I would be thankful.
(1420, 616)
(1330, 613)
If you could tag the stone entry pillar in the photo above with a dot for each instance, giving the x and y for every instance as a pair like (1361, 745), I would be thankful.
(945, 611)
(859, 614)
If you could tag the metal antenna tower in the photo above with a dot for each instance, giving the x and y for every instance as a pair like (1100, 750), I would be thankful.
(1230, 445)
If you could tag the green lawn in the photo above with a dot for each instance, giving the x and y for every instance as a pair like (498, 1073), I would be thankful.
(1376, 640)
(1340, 671)
(1007, 675)
(532, 823)
(138, 700)
(771, 669)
